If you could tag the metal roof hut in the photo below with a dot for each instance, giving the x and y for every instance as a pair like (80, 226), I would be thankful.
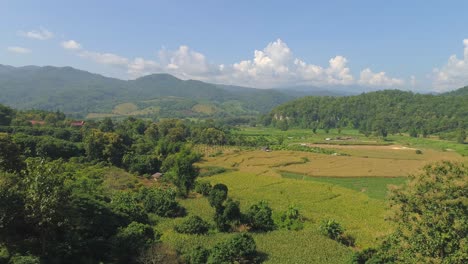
(157, 176)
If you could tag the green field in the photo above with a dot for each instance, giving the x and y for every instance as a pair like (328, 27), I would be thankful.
(362, 216)
(350, 187)
(373, 187)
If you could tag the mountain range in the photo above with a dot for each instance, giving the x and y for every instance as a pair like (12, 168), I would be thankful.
(83, 94)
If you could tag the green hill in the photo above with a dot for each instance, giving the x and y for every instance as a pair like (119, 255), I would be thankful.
(80, 93)
(382, 112)
(459, 92)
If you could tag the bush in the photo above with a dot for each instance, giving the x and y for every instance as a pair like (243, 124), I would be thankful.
(331, 229)
(290, 219)
(193, 225)
(239, 249)
(218, 195)
(198, 255)
(133, 239)
(361, 257)
(335, 231)
(259, 217)
(4, 255)
(161, 202)
(18, 259)
(418, 151)
(203, 188)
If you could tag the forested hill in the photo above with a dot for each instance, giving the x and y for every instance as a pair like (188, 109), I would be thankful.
(388, 111)
(159, 95)
(459, 92)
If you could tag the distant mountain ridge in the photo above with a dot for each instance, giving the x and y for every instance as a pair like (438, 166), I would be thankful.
(80, 93)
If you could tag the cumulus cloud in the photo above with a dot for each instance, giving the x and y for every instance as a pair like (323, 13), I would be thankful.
(379, 79)
(454, 74)
(71, 45)
(140, 67)
(40, 34)
(184, 62)
(105, 58)
(273, 66)
(19, 50)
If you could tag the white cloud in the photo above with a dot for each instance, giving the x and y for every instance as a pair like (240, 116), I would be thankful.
(184, 62)
(413, 81)
(105, 58)
(454, 74)
(19, 50)
(71, 45)
(140, 67)
(274, 66)
(380, 79)
(41, 34)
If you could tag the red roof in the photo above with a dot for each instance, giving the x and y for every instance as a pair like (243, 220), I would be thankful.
(77, 123)
(36, 122)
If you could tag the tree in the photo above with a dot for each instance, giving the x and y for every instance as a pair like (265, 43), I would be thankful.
(160, 202)
(218, 195)
(10, 156)
(6, 114)
(131, 240)
(198, 255)
(239, 249)
(461, 136)
(104, 146)
(126, 204)
(193, 225)
(259, 217)
(45, 200)
(106, 125)
(431, 214)
(181, 171)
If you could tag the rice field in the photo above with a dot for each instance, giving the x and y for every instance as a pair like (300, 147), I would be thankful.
(350, 188)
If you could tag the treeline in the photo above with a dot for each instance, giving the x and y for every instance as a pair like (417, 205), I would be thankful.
(382, 113)
(71, 195)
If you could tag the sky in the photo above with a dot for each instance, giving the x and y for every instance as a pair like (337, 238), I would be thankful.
(409, 45)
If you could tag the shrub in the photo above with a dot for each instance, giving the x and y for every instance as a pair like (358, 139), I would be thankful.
(133, 239)
(161, 202)
(239, 249)
(331, 229)
(198, 255)
(203, 188)
(290, 219)
(361, 257)
(418, 151)
(259, 217)
(218, 195)
(18, 259)
(193, 225)
(335, 231)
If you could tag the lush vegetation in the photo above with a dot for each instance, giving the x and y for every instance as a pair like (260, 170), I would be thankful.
(131, 191)
(79, 93)
(383, 113)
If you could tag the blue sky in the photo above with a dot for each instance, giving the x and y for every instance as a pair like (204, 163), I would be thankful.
(370, 44)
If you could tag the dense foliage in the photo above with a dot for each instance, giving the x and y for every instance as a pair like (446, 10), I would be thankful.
(153, 96)
(431, 215)
(381, 112)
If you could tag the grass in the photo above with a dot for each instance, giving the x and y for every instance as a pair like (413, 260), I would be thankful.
(125, 108)
(362, 217)
(338, 190)
(374, 187)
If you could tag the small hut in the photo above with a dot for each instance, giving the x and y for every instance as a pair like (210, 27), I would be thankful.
(156, 176)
